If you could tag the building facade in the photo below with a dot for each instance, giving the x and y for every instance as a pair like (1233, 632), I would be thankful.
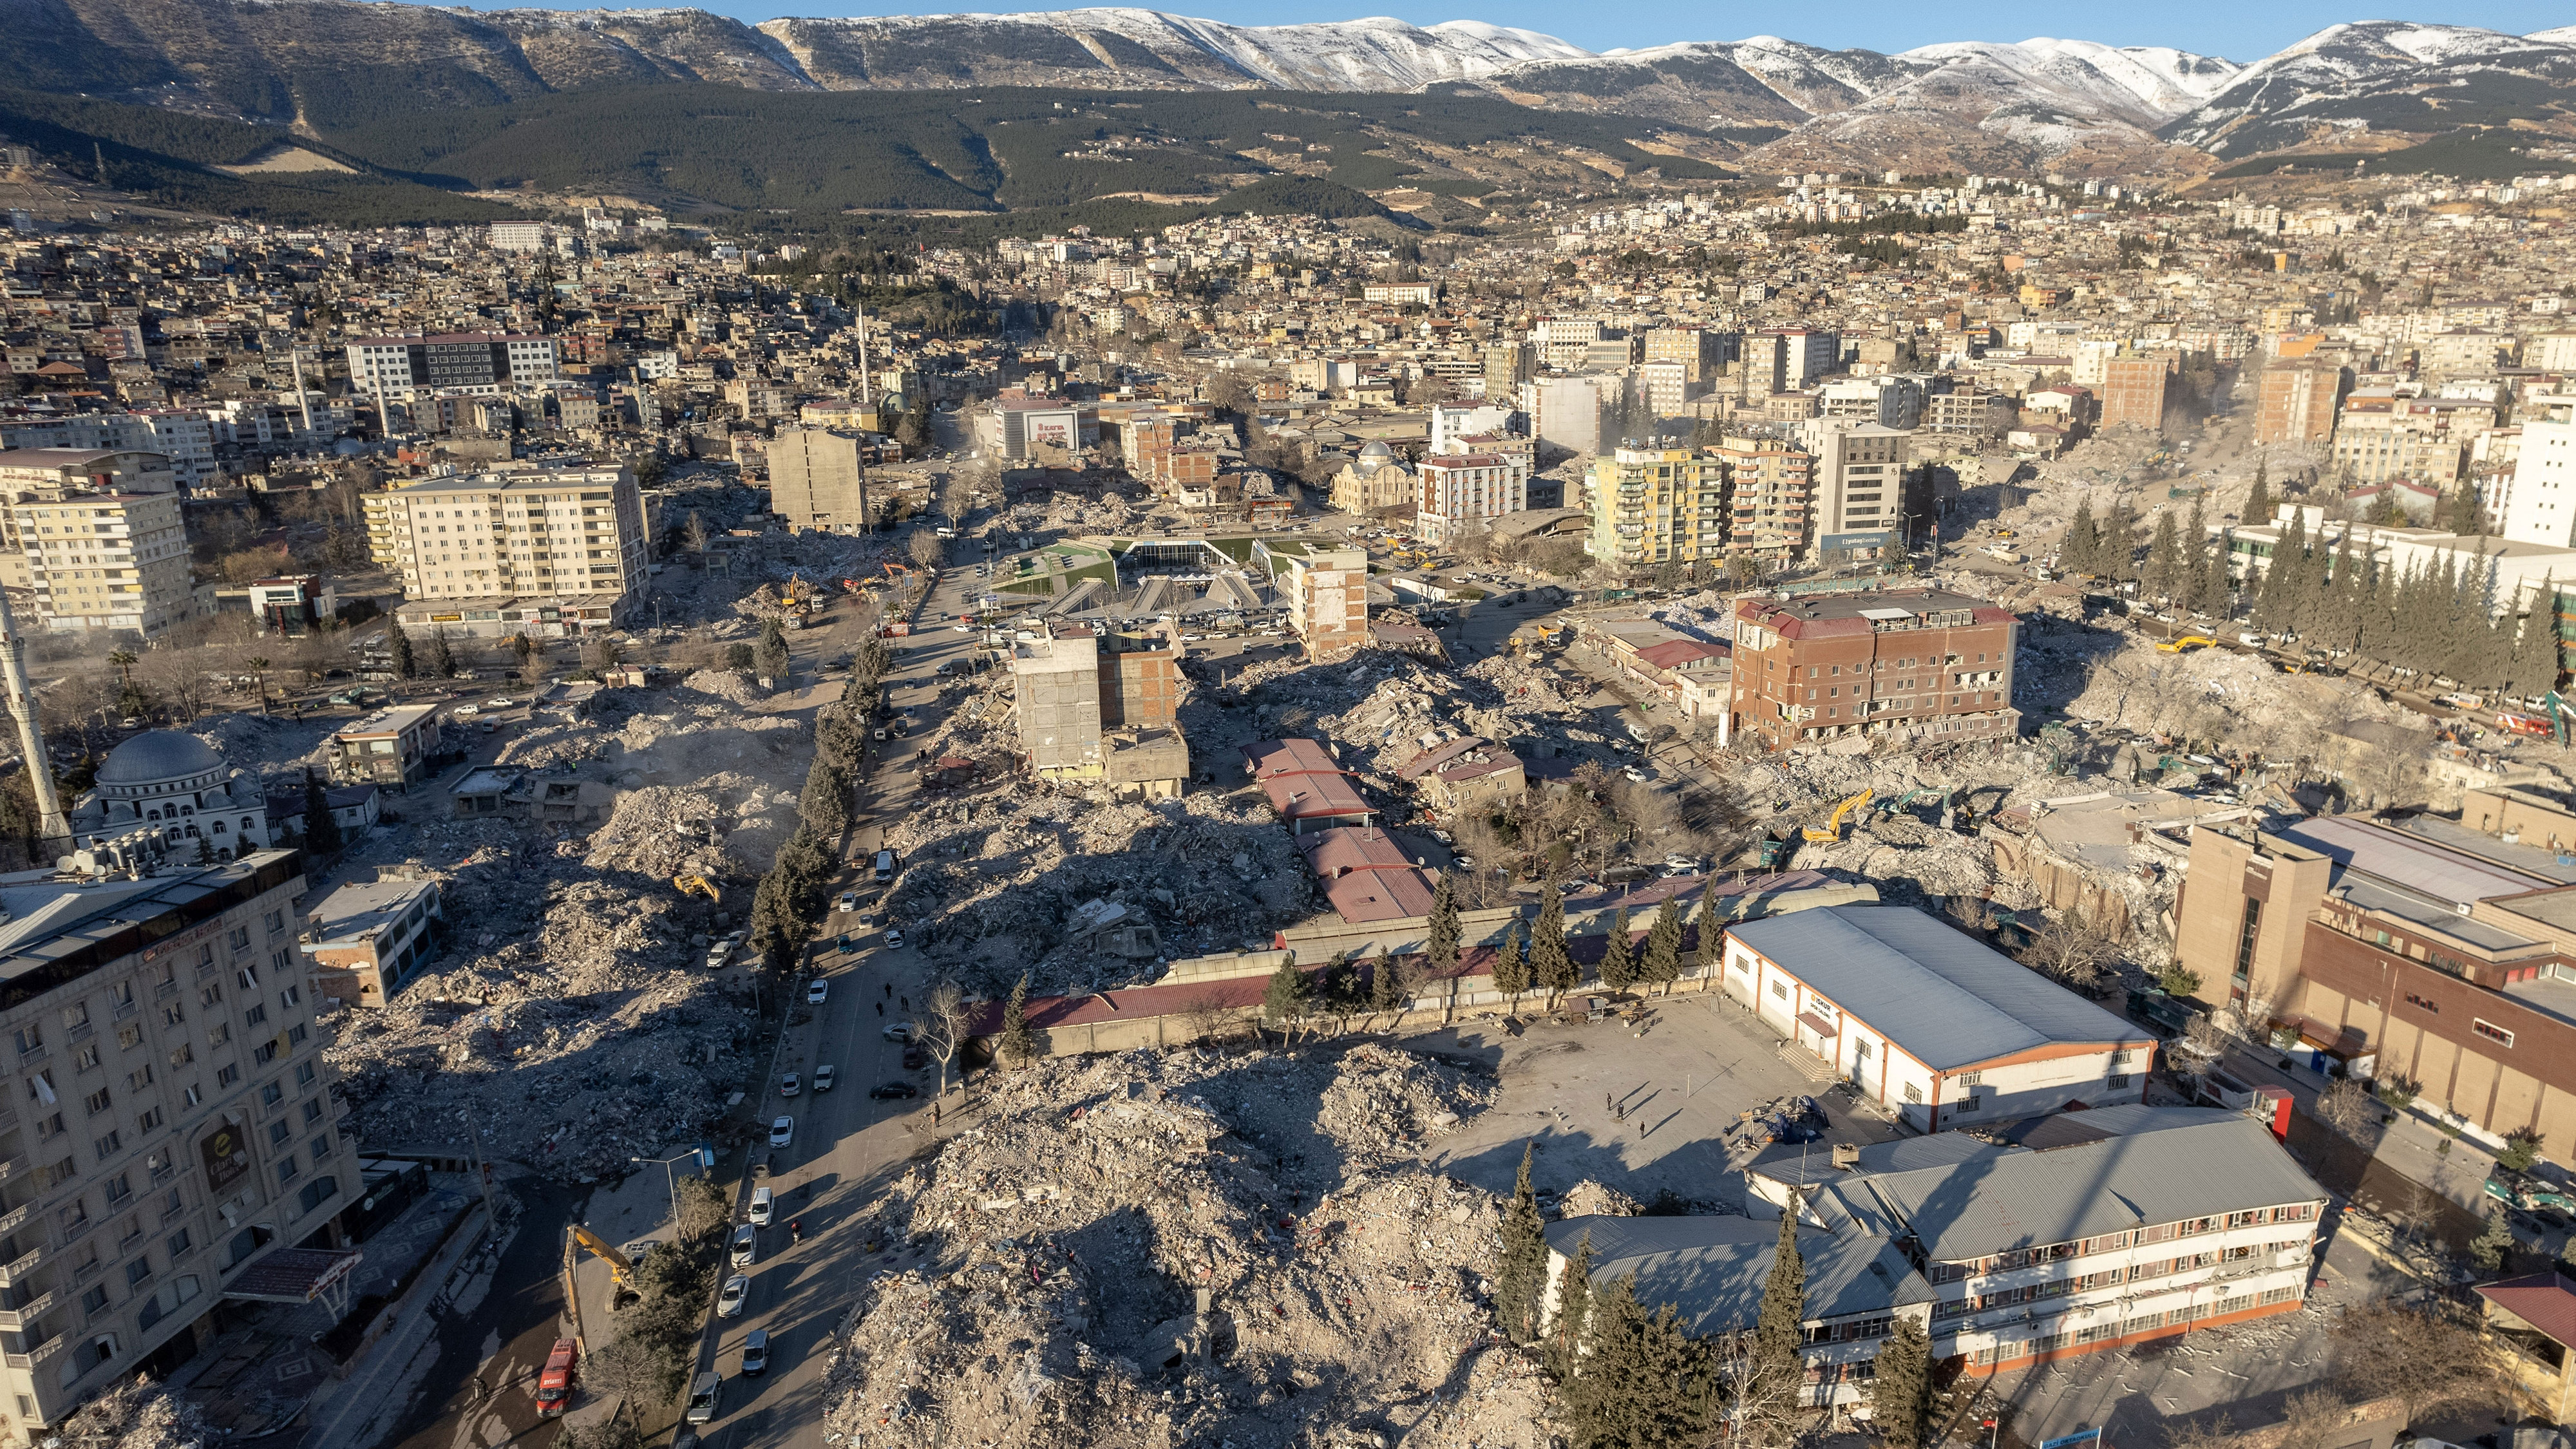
(469, 362)
(1926, 664)
(1770, 492)
(2299, 401)
(1650, 507)
(818, 481)
(1857, 487)
(97, 536)
(563, 549)
(1326, 589)
(366, 940)
(2133, 391)
(1466, 489)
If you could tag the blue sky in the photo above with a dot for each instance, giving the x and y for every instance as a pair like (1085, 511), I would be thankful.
(2241, 30)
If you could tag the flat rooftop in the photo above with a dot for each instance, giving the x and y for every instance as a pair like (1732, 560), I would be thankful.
(68, 924)
(361, 910)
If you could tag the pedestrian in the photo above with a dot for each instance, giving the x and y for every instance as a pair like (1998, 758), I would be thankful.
(907, 1002)
(880, 1008)
(934, 1114)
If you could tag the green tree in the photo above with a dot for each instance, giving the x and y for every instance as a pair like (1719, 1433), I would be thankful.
(1780, 1331)
(1443, 937)
(2167, 569)
(1386, 988)
(1285, 1001)
(2521, 1149)
(1521, 1276)
(321, 827)
(1573, 1309)
(770, 656)
(2493, 1241)
(2258, 498)
(1900, 1387)
(442, 663)
(398, 644)
(1643, 1382)
(2536, 651)
(1663, 963)
(2080, 551)
(1551, 963)
(1618, 956)
(2463, 516)
(1338, 993)
(1019, 1044)
(1511, 968)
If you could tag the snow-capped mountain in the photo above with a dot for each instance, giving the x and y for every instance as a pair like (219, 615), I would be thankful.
(2385, 75)
(1152, 49)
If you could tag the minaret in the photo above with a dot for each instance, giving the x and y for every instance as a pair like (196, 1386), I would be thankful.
(52, 827)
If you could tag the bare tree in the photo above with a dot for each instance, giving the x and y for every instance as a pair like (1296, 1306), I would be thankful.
(943, 1027)
(2431, 1355)
(925, 548)
(1762, 1402)
(2314, 1419)
(2071, 949)
(2348, 1108)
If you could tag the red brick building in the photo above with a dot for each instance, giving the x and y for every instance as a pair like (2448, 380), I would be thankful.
(1921, 664)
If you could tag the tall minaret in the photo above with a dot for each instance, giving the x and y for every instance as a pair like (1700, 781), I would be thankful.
(52, 827)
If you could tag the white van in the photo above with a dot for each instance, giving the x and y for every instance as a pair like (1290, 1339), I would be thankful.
(762, 1201)
(885, 865)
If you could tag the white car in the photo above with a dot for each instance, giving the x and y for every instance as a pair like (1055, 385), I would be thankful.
(781, 1131)
(816, 990)
(850, 899)
(787, 1085)
(736, 1290)
(894, 940)
(746, 1243)
(823, 1077)
(466, 711)
(900, 1031)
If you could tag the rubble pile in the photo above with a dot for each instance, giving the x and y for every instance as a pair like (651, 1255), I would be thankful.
(569, 1019)
(725, 825)
(995, 878)
(1043, 1267)
(269, 744)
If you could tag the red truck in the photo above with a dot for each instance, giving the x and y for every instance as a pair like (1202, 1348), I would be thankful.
(554, 1381)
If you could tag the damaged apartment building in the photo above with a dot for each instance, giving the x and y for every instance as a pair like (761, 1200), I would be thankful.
(1098, 710)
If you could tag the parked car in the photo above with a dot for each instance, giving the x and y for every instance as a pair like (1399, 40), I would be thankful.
(816, 990)
(755, 1353)
(781, 1131)
(763, 1203)
(900, 1031)
(823, 1077)
(914, 1060)
(787, 1085)
(746, 1243)
(737, 1290)
(894, 940)
(849, 902)
(893, 1091)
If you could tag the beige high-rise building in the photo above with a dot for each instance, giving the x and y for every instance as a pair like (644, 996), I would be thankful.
(1857, 497)
(2298, 402)
(552, 551)
(96, 535)
(171, 1137)
(1327, 592)
(817, 480)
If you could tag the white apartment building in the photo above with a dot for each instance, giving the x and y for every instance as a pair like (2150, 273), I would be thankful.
(1326, 589)
(167, 1015)
(1464, 488)
(96, 535)
(187, 439)
(1889, 400)
(1857, 487)
(476, 363)
(1453, 421)
(2540, 507)
(1562, 342)
(556, 550)
(518, 236)
(1665, 385)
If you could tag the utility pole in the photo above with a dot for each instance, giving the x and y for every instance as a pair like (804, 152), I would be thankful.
(52, 826)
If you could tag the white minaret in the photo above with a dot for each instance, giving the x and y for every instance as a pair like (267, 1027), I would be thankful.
(52, 827)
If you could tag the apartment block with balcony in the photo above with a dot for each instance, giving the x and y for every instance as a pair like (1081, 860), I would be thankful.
(170, 1137)
(1655, 507)
(1463, 490)
(554, 551)
(1771, 489)
(97, 536)
(1326, 588)
(1921, 664)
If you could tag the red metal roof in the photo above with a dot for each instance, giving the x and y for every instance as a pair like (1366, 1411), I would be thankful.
(2546, 1301)
(1674, 652)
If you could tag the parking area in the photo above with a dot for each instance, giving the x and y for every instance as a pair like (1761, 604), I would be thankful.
(1647, 1110)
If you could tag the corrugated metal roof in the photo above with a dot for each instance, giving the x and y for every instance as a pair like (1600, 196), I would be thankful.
(2030, 1199)
(1948, 1000)
(2407, 860)
(1712, 1268)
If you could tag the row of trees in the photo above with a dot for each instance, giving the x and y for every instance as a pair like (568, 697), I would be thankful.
(1633, 1378)
(790, 897)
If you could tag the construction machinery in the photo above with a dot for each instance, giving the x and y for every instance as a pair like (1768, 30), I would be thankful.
(621, 1269)
(1412, 558)
(2186, 644)
(897, 570)
(2528, 1194)
(697, 885)
(1832, 829)
(1899, 805)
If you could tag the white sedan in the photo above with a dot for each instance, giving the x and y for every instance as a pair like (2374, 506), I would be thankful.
(816, 990)
(729, 1303)
(781, 1131)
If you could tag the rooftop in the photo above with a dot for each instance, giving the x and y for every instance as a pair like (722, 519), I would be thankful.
(1712, 1269)
(360, 910)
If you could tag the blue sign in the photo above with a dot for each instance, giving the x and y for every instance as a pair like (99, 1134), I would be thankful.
(1841, 542)
(707, 1156)
(2080, 1436)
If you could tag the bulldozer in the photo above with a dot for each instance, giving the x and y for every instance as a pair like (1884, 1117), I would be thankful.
(1832, 829)
(697, 885)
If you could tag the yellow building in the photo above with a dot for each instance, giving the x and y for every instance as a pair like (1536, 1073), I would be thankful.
(1654, 506)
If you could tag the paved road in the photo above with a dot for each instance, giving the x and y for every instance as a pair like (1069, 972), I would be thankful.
(846, 1144)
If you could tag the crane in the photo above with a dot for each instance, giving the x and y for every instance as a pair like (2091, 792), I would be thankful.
(1832, 830)
(621, 1269)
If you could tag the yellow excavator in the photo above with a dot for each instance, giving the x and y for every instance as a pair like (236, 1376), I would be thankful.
(621, 1269)
(1832, 830)
(697, 885)
(2186, 644)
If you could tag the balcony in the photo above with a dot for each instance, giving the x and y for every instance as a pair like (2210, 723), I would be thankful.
(13, 1167)
(16, 1217)
(165, 990)
(16, 1319)
(14, 1275)
(125, 1010)
(34, 1356)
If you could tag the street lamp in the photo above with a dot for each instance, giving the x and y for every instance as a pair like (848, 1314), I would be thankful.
(670, 1180)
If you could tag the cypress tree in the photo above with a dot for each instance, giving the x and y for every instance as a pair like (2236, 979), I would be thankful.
(1522, 1274)
(442, 662)
(1900, 1390)
(2117, 555)
(2078, 552)
(2194, 571)
(1779, 1333)
(1511, 968)
(398, 645)
(321, 827)
(1551, 964)
(1440, 950)
(1644, 1384)
(1618, 959)
(2535, 654)
(1285, 1000)
(1019, 1044)
(2165, 566)
(2465, 517)
(1663, 963)
(1386, 990)
(1573, 1309)
(1337, 987)
(2258, 499)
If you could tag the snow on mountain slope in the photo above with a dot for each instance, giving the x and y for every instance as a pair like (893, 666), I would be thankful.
(2141, 83)
(2363, 73)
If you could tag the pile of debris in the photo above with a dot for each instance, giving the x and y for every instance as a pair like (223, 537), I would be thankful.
(270, 744)
(1045, 1269)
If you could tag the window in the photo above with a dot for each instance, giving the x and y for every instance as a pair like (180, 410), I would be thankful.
(49, 1125)
(2245, 933)
(286, 1168)
(2491, 1031)
(239, 940)
(1861, 1049)
(290, 996)
(317, 1192)
(97, 1101)
(150, 1121)
(213, 993)
(95, 1299)
(278, 1132)
(270, 1094)
(31, 1038)
(304, 1074)
(109, 1145)
(225, 1076)
(2115, 1082)
(1969, 1079)
(274, 921)
(320, 1148)
(1780, 989)
(278, 961)
(179, 1244)
(266, 1051)
(1913, 1093)
(76, 1015)
(256, 1016)
(171, 1015)
(139, 1078)
(128, 1037)
(248, 976)
(182, 1054)
(84, 1059)
(296, 1036)
(219, 1033)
